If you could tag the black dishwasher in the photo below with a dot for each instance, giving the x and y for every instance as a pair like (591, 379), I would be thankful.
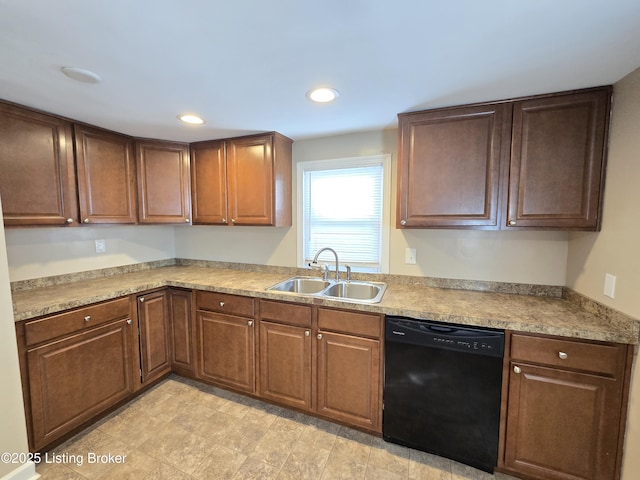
(442, 389)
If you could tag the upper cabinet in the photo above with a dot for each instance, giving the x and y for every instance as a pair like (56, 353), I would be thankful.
(37, 180)
(163, 181)
(528, 163)
(243, 181)
(106, 176)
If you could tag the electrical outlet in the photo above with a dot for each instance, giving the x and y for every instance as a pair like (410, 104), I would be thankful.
(410, 256)
(609, 285)
(101, 246)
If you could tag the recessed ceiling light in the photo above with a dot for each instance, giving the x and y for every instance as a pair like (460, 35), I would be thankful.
(322, 94)
(81, 75)
(191, 119)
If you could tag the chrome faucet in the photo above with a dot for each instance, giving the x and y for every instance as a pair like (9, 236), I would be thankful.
(315, 260)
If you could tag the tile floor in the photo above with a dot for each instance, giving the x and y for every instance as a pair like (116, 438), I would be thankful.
(186, 430)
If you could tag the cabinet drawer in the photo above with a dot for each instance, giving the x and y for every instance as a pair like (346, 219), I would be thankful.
(571, 354)
(48, 328)
(366, 324)
(289, 313)
(225, 303)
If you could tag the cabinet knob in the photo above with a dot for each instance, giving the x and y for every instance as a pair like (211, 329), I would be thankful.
(250, 323)
(87, 318)
(403, 222)
(129, 322)
(224, 220)
(186, 220)
(141, 299)
(512, 223)
(307, 333)
(86, 220)
(233, 220)
(562, 355)
(222, 304)
(69, 220)
(319, 336)
(517, 369)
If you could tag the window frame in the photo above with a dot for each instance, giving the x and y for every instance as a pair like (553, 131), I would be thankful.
(339, 163)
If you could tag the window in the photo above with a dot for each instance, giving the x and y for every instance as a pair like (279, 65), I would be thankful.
(344, 205)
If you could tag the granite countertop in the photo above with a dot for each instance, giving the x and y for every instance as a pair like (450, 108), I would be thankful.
(527, 313)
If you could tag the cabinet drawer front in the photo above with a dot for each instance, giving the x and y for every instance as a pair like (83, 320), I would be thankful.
(350, 322)
(48, 328)
(289, 313)
(225, 303)
(571, 354)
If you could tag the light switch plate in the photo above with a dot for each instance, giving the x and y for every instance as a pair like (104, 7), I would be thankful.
(101, 246)
(410, 256)
(609, 285)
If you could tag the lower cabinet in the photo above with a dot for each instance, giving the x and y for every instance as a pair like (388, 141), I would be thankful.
(155, 341)
(564, 414)
(226, 340)
(76, 365)
(182, 331)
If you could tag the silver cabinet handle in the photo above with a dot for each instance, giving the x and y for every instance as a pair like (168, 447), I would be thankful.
(403, 222)
(319, 336)
(86, 220)
(250, 323)
(87, 318)
(563, 355)
(129, 322)
(69, 220)
(307, 333)
(141, 299)
(512, 223)
(186, 220)
(233, 220)
(517, 369)
(222, 304)
(224, 220)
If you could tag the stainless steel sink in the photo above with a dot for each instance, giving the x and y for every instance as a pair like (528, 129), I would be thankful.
(352, 291)
(370, 292)
(303, 285)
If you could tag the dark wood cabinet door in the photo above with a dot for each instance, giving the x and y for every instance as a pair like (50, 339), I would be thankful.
(557, 161)
(106, 176)
(209, 183)
(226, 350)
(259, 180)
(285, 364)
(37, 184)
(450, 163)
(562, 424)
(155, 341)
(348, 373)
(182, 331)
(163, 182)
(73, 379)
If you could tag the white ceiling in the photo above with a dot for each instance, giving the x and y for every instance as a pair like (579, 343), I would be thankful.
(245, 65)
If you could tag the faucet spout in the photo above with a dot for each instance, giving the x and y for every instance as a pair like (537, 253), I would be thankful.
(315, 260)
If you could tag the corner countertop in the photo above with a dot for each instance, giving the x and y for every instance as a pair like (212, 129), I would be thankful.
(536, 314)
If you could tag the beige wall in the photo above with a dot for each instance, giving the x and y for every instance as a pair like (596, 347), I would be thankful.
(13, 433)
(616, 249)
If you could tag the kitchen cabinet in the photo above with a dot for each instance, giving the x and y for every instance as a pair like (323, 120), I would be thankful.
(449, 165)
(38, 183)
(243, 181)
(154, 325)
(182, 331)
(106, 176)
(528, 163)
(285, 353)
(77, 364)
(564, 413)
(163, 181)
(226, 340)
(349, 367)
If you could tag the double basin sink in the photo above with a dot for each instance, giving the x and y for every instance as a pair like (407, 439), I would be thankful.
(351, 290)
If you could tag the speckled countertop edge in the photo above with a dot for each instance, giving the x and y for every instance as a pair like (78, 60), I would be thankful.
(570, 316)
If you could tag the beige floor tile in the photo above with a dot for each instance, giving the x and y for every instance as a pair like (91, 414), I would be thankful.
(191, 417)
(274, 448)
(389, 456)
(253, 469)
(240, 439)
(164, 441)
(55, 471)
(343, 468)
(132, 427)
(375, 473)
(320, 433)
(163, 471)
(353, 444)
(424, 466)
(136, 466)
(189, 453)
(216, 427)
(221, 464)
(305, 462)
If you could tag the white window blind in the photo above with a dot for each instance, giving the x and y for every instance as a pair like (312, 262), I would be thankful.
(343, 209)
